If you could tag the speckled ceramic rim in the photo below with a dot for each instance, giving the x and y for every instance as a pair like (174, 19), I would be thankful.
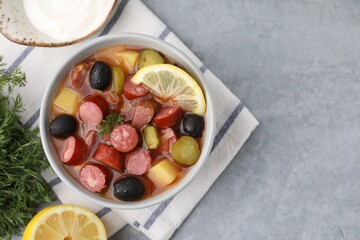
(85, 51)
(65, 43)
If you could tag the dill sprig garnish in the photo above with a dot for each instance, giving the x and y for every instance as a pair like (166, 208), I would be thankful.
(109, 123)
(22, 158)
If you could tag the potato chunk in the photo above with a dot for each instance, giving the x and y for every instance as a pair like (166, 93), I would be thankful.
(67, 100)
(165, 171)
(130, 58)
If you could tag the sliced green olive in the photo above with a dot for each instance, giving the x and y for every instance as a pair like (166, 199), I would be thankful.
(185, 151)
(151, 136)
(149, 57)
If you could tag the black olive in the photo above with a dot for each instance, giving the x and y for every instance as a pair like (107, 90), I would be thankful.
(128, 189)
(100, 76)
(63, 126)
(192, 125)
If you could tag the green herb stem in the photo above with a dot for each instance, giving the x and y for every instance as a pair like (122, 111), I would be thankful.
(109, 123)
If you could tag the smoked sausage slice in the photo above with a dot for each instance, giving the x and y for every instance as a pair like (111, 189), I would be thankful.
(95, 177)
(124, 138)
(167, 139)
(93, 109)
(167, 117)
(109, 156)
(74, 152)
(144, 112)
(138, 161)
(132, 91)
(78, 74)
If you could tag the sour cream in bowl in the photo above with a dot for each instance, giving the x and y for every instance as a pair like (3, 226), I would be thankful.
(53, 23)
(67, 19)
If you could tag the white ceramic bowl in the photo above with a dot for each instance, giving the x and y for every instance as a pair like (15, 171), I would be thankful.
(85, 51)
(16, 27)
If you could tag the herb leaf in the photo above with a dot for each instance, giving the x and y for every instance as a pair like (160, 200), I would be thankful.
(110, 122)
(22, 158)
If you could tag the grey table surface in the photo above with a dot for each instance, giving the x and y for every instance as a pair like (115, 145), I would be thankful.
(295, 65)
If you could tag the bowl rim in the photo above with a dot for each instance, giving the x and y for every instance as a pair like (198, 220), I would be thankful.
(37, 43)
(91, 47)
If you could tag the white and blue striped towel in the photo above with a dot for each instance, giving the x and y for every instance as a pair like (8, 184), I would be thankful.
(234, 123)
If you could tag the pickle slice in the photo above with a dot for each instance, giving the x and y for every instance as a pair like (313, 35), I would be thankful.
(185, 151)
(151, 136)
(118, 79)
(149, 57)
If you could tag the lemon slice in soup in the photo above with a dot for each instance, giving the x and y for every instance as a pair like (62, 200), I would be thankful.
(168, 81)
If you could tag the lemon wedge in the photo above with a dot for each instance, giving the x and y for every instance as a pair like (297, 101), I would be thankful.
(65, 222)
(167, 81)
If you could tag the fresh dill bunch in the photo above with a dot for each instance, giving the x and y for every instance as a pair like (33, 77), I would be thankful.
(109, 123)
(22, 159)
(13, 79)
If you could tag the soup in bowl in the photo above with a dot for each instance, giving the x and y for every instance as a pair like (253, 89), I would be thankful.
(127, 121)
